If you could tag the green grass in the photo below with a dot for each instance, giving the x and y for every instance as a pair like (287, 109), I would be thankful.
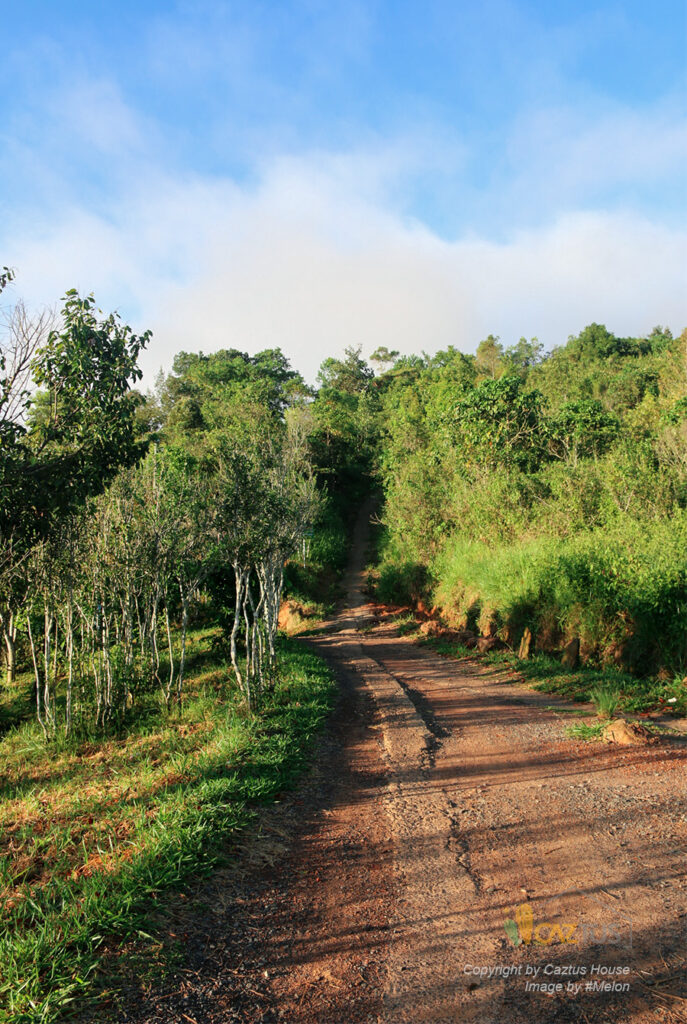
(577, 712)
(636, 695)
(586, 730)
(606, 700)
(622, 590)
(93, 831)
(406, 624)
(447, 648)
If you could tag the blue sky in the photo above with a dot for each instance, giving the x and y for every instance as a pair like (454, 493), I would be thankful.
(319, 173)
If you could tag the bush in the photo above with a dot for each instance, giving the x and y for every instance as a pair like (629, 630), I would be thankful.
(402, 583)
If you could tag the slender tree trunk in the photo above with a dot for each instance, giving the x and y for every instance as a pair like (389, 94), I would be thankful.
(182, 658)
(141, 627)
(167, 690)
(239, 579)
(69, 640)
(37, 675)
(154, 652)
(10, 638)
(48, 705)
(248, 636)
(107, 666)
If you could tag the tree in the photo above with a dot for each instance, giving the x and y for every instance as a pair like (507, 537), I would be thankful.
(582, 429)
(490, 356)
(523, 356)
(596, 342)
(384, 358)
(79, 427)
(499, 423)
(351, 374)
(18, 345)
(67, 423)
(199, 382)
(264, 500)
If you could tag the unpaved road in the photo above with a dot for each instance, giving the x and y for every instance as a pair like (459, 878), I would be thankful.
(444, 797)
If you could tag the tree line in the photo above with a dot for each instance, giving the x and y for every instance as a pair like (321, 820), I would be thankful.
(522, 489)
(547, 491)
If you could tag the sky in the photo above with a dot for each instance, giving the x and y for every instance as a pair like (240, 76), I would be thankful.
(316, 174)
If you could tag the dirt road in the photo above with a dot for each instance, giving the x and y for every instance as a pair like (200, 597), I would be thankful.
(448, 817)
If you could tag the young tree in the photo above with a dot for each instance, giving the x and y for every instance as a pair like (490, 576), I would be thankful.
(350, 374)
(490, 357)
(66, 426)
(384, 358)
(499, 423)
(77, 430)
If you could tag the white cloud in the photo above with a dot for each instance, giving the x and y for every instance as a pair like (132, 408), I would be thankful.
(312, 258)
(561, 154)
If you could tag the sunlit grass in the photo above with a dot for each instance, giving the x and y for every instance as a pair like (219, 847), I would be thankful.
(92, 830)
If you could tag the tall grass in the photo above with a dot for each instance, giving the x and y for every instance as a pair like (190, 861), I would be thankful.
(605, 700)
(621, 590)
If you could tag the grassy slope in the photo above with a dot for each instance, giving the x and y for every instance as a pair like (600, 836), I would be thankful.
(617, 590)
(91, 832)
(590, 587)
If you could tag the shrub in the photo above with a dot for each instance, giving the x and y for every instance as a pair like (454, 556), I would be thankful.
(402, 583)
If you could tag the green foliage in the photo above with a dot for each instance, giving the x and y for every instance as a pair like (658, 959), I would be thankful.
(313, 575)
(77, 430)
(499, 423)
(521, 357)
(585, 730)
(402, 583)
(6, 275)
(490, 357)
(552, 497)
(350, 374)
(582, 429)
(345, 426)
(189, 397)
(624, 593)
(384, 357)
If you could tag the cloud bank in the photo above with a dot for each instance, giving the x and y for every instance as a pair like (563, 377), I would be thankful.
(216, 226)
(311, 258)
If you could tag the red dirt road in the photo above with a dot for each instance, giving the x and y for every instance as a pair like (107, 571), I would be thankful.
(444, 798)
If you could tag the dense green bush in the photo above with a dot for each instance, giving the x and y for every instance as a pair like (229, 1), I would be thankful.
(404, 582)
(552, 497)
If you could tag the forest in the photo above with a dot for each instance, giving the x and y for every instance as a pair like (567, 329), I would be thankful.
(150, 701)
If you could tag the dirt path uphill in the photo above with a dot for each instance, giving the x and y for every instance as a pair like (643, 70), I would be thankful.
(496, 817)
(452, 857)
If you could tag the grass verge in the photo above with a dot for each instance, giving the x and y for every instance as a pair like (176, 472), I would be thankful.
(93, 831)
(586, 730)
(545, 673)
